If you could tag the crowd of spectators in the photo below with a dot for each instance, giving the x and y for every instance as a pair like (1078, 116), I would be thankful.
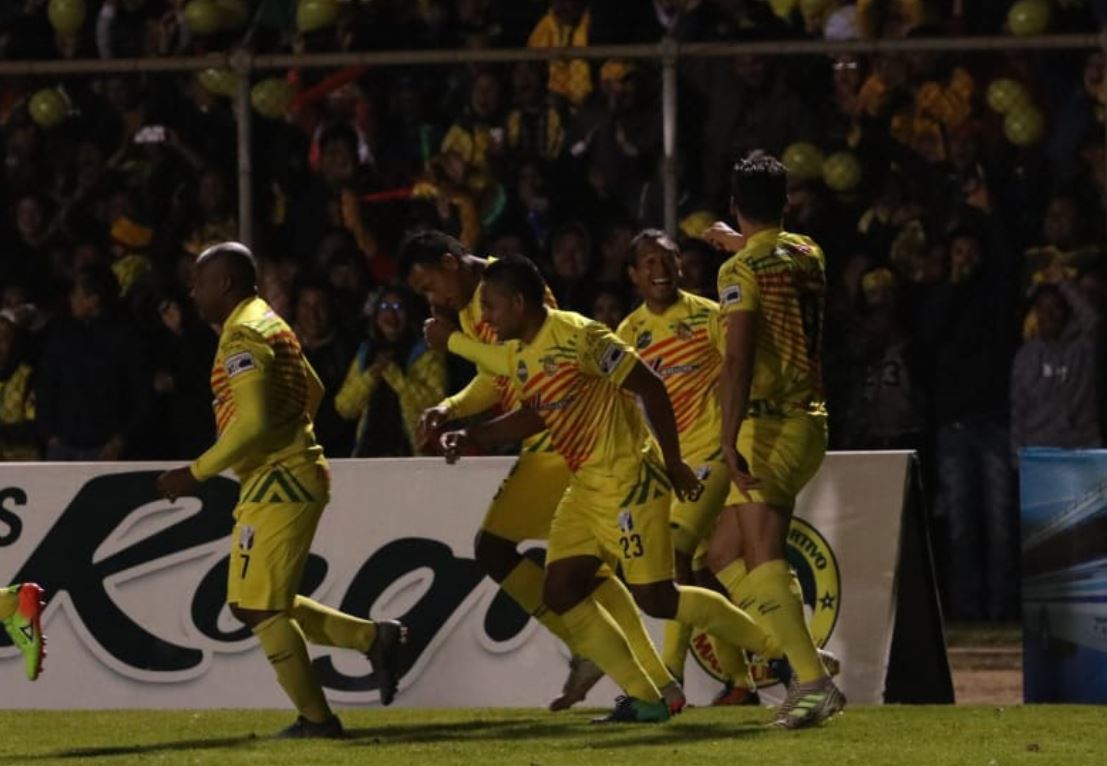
(964, 248)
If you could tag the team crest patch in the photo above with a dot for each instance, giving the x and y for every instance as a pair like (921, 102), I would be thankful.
(549, 365)
(816, 567)
(683, 330)
(239, 363)
(645, 338)
(245, 538)
(731, 295)
(611, 358)
(521, 371)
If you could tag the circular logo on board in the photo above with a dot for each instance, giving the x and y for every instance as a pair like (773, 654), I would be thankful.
(816, 568)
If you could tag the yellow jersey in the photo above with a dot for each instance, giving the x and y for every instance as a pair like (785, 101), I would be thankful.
(266, 394)
(571, 374)
(782, 277)
(478, 396)
(682, 345)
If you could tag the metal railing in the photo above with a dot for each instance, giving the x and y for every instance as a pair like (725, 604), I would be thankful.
(668, 51)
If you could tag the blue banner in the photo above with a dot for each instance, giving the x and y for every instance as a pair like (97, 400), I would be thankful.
(1064, 574)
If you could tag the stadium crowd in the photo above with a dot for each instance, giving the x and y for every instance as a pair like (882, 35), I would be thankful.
(959, 200)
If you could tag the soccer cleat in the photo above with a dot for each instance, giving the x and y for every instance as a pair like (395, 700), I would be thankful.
(25, 628)
(782, 669)
(583, 675)
(384, 656)
(631, 710)
(732, 695)
(831, 662)
(673, 696)
(305, 729)
(809, 705)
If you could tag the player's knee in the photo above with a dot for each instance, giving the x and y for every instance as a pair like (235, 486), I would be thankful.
(495, 555)
(658, 600)
(562, 590)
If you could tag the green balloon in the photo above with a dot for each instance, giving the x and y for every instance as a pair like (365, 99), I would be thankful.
(804, 160)
(842, 171)
(315, 14)
(203, 17)
(220, 82)
(66, 16)
(271, 97)
(48, 108)
(1006, 94)
(1028, 17)
(1024, 126)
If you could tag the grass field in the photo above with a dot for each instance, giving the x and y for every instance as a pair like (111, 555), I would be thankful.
(896, 736)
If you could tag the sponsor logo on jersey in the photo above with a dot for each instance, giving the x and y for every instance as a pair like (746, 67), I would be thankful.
(611, 358)
(239, 363)
(731, 295)
(645, 338)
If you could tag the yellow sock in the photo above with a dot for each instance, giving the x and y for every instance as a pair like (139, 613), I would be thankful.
(601, 641)
(732, 574)
(675, 649)
(524, 584)
(733, 663)
(330, 627)
(9, 601)
(708, 610)
(614, 597)
(284, 646)
(780, 611)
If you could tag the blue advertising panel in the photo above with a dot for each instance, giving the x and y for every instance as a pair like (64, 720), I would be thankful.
(1064, 574)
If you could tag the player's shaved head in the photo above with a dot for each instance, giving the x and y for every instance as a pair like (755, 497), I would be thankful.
(236, 258)
(226, 275)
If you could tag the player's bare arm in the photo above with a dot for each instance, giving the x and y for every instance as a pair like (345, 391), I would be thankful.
(734, 392)
(649, 388)
(506, 429)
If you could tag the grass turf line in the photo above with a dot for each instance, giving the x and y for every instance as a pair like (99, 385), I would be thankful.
(897, 736)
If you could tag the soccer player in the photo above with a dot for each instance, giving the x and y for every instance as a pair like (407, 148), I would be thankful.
(677, 335)
(774, 435)
(266, 394)
(21, 612)
(577, 380)
(439, 268)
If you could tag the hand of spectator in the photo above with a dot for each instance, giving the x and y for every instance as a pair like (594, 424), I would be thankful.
(722, 237)
(431, 421)
(170, 313)
(380, 362)
(177, 483)
(437, 330)
(112, 451)
(453, 443)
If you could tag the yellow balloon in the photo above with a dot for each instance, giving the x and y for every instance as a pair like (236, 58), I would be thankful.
(1024, 126)
(783, 8)
(233, 14)
(1006, 94)
(1028, 17)
(48, 108)
(271, 97)
(66, 16)
(315, 14)
(220, 82)
(842, 171)
(203, 17)
(804, 161)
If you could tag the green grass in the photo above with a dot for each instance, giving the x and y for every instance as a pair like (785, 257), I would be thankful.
(893, 736)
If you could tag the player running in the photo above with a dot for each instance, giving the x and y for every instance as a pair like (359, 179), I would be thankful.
(677, 334)
(266, 394)
(439, 268)
(21, 612)
(579, 381)
(774, 420)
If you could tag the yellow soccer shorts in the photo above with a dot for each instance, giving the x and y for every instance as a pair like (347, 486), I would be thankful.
(275, 521)
(621, 525)
(693, 520)
(524, 505)
(783, 453)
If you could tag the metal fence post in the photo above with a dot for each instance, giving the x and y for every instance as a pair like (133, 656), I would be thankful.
(240, 63)
(670, 180)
